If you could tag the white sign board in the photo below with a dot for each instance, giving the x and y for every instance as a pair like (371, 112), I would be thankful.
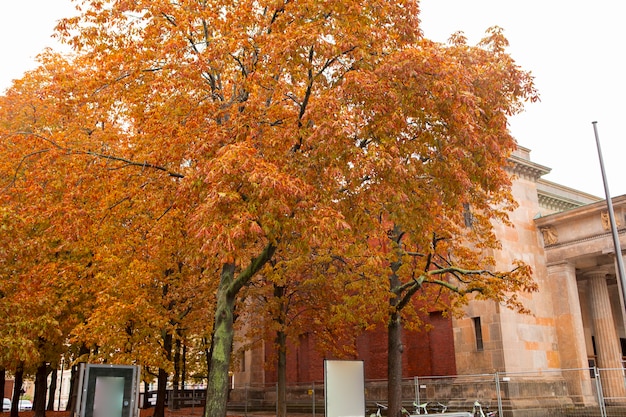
(344, 388)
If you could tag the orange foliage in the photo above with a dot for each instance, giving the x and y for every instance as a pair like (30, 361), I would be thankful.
(223, 139)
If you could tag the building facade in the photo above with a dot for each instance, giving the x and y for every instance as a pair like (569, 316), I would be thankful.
(576, 318)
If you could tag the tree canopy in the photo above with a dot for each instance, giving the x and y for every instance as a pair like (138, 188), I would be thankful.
(232, 140)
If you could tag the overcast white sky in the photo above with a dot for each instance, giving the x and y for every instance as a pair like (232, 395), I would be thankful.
(574, 48)
(576, 51)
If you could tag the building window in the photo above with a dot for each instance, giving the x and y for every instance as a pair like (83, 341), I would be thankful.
(478, 332)
(592, 365)
(593, 345)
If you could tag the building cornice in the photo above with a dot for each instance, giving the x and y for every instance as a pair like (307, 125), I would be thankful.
(556, 203)
(578, 212)
(551, 196)
(526, 169)
(605, 235)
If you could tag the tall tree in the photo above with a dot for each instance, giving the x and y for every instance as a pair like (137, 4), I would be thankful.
(18, 381)
(3, 375)
(282, 124)
(325, 295)
(41, 388)
(52, 389)
(254, 171)
(440, 143)
(43, 255)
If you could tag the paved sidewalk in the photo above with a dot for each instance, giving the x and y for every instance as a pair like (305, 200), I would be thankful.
(197, 412)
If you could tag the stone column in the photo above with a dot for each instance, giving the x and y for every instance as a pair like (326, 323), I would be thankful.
(570, 331)
(607, 342)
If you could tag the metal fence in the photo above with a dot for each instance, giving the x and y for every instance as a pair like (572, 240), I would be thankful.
(583, 392)
(571, 392)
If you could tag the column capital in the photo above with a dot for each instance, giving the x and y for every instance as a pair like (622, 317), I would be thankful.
(561, 262)
(561, 265)
(597, 272)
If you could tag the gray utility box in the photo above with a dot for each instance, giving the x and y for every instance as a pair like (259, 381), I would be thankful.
(108, 391)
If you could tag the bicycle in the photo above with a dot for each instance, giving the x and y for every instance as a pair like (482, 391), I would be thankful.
(407, 413)
(427, 407)
(438, 408)
(422, 406)
(379, 407)
(477, 411)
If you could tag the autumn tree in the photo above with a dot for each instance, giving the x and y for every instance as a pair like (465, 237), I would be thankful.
(41, 299)
(230, 86)
(150, 298)
(282, 124)
(74, 245)
(324, 295)
(44, 260)
(442, 124)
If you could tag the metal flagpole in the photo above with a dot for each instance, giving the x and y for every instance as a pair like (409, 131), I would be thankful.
(609, 203)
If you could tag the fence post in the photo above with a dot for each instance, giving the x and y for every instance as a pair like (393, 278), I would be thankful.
(245, 402)
(596, 372)
(417, 393)
(498, 394)
(313, 395)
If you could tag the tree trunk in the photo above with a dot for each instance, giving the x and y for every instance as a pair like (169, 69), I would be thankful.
(394, 366)
(221, 346)
(41, 388)
(159, 409)
(73, 395)
(3, 379)
(183, 379)
(176, 378)
(223, 331)
(207, 354)
(17, 389)
(281, 365)
(52, 390)
(71, 402)
(146, 399)
(281, 369)
(394, 340)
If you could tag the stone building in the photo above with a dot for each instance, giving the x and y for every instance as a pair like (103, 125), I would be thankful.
(576, 318)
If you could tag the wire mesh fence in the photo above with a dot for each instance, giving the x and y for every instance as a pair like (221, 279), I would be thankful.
(583, 392)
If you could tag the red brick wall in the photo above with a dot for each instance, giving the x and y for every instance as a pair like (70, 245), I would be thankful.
(426, 353)
(8, 389)
(431, 353)
(442, 346)
(304, 363)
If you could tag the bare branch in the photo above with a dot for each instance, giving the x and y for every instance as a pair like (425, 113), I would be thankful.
(70, 151)
(169, 18)
(106, 85)
(253, 267)
(131, 163)
(19, 165)
(331, 61)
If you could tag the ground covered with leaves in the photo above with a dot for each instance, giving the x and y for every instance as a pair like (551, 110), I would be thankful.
(185, 412)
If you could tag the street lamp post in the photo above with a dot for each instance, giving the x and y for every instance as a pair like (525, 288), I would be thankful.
(609, 203)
